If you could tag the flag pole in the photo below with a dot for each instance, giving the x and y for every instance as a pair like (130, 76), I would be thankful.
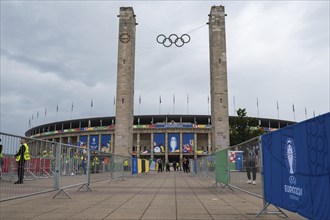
(56, 111)
(45, 115)
(160, 101)
(114, 103)
(294, 113)
(71, 109)
(139, 103)
(258, 107)
(173, 102)
(187, 104)
(91, 108)
(37, 118)
(208, 105)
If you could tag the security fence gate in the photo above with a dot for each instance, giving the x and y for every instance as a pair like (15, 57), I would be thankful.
(55, 166)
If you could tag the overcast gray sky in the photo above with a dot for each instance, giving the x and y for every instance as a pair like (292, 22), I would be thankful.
(54, 53)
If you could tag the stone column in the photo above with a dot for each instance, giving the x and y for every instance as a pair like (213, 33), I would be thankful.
(195, 146)
(125, 82)
(166, 147)
(152, 146)
(218, 67)
(181, 145)
(138, 150)
(209, 144)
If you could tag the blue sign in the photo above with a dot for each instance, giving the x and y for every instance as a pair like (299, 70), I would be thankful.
(188, 143)
(159, 143)
(296, 165)
(134, 165)
(173, 142)
(82, 142)
(105, 143)
(239, 161)
(94, 142)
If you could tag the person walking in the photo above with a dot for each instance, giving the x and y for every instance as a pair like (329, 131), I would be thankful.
(21, 156)
(174, 165)
(160, 165)
(167, 167)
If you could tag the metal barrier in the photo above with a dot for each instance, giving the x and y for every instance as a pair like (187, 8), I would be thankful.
(245, 167)
(56, 166)
(205, 167)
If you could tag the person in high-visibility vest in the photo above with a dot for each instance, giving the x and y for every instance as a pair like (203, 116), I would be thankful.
(21, 156)
(126, 165)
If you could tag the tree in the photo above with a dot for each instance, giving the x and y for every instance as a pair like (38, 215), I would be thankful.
(243, 128)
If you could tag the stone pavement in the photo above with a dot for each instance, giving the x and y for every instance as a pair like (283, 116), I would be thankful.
(173, 195)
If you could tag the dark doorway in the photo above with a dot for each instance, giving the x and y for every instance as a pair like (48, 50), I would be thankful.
(172, 158)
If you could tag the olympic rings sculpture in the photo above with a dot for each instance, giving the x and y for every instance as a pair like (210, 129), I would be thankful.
(173, 39)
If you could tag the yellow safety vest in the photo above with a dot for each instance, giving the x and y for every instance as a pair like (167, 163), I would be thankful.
(26, 153)
(95, 161)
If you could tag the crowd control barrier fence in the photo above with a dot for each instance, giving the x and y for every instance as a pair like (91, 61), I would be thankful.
(56, 166)
(238, 167)
(288, 168)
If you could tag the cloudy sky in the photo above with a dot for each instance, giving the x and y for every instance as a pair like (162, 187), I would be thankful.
(55, 53)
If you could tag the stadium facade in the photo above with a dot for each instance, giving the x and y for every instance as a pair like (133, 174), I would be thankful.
(170, 137)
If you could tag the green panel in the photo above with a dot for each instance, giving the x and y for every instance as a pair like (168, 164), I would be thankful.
(221, 162)
(232, 166)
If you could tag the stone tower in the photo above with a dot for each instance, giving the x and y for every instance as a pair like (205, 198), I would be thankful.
(125, 82)
(219, 88)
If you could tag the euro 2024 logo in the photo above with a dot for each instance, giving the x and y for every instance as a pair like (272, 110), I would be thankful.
(290, 159)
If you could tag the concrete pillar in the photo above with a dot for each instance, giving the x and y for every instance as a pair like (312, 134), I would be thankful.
(210, 150)
(218, 67)
(152, 146)
(138, 150)
(166, 147)
(195, 146)
(125, 82)
(181, 145)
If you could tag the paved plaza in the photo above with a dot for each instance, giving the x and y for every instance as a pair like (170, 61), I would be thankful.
(167, 195)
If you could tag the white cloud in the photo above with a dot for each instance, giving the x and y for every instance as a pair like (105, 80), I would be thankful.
(56, 53)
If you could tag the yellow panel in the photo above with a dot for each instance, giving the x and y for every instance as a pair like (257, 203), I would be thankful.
(139, 165)
(147, 165)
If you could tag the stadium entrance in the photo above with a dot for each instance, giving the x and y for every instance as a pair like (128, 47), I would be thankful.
(172, 158)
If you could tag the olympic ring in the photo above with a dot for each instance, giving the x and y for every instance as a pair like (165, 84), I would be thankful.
(173, 39)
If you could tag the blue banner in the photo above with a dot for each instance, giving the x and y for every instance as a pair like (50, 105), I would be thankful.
(134, 165)
(105, 143)
(94, 142)
(82, 142)
(296, 165)
(188, 143)
(159, 143)
(173, 142)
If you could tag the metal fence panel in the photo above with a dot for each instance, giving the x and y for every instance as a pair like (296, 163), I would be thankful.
(246, 176)
(55, 166)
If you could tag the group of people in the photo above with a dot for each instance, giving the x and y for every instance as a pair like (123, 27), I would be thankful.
(176, 165)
